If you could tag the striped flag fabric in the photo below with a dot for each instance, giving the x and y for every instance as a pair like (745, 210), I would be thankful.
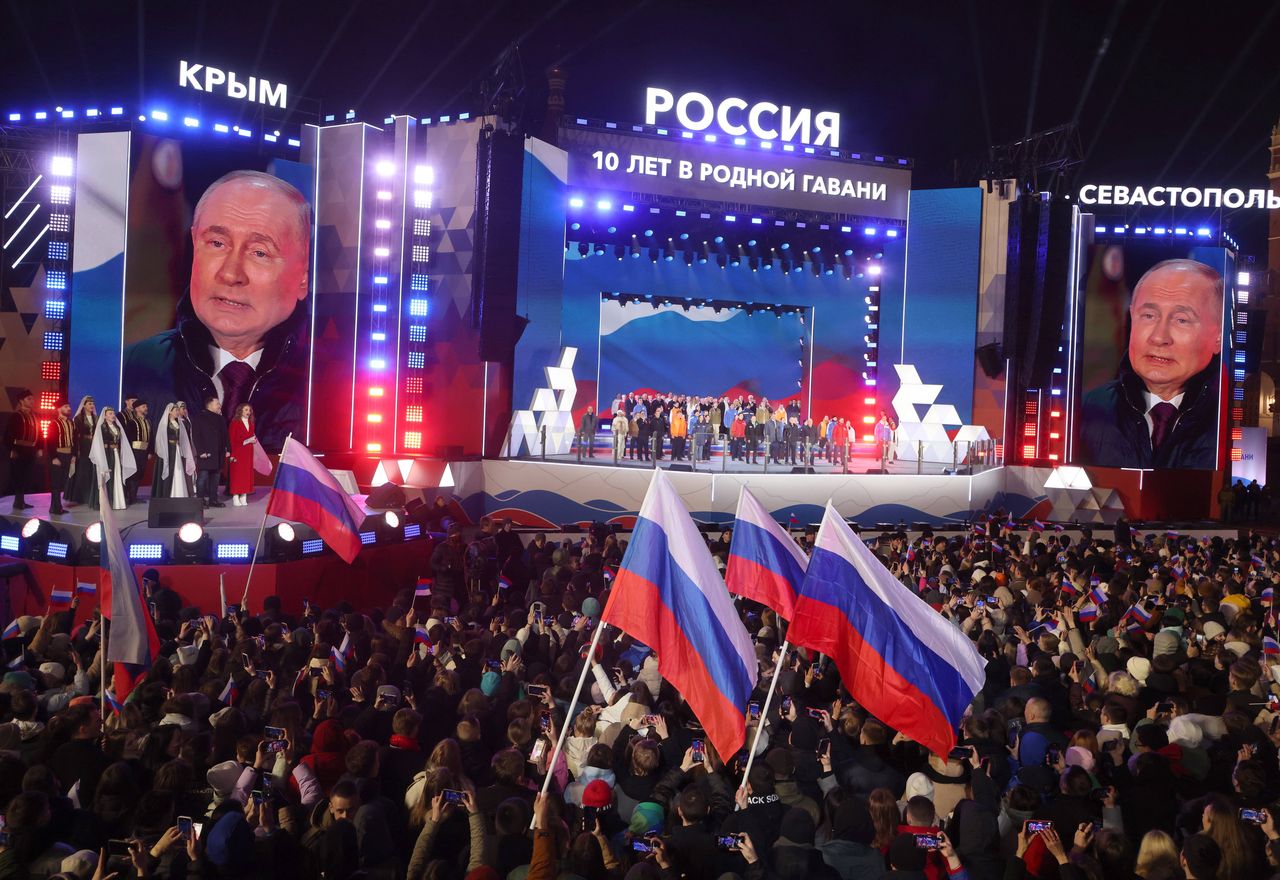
(608, 574)
(420, 636)
(59, 598)
(1139, 613)
(306, 492)
(1089, 684)
(504, 582)
(113, 704)
(900, 659)
(669, 596)
(229, 692)
(1069, 589)
(765, 564)
(84, 588)
(1087, 614)
(1269, 595)
(424, 587)
(132, 643)
(1098, 596)
(12, 631)
(979, 528)
(1036, 526)
(793, 520)
(1270, 647)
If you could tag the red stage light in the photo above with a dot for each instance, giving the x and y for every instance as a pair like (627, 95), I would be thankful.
(51, 371)
(1029, 451)
(412, 439)
(48, 400)
(869, 401)
(374, 418)
(413, 385)
(373, 447)
(1237, 454)
(867, 438)
(44, 427)
(1029, 430)
(1237, 433)
(413, 413)
(1053, 456)
(375, 391)
(868, 420)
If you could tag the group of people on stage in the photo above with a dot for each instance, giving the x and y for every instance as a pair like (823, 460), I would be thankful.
(189, 449)
(756, 430)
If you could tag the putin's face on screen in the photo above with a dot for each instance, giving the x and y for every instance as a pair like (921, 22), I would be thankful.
(1177, 317)
(251, 247)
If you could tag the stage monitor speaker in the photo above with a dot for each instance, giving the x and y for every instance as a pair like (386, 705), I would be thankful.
(170, 513)
(385, 497)
(803, 469)
(684, 468)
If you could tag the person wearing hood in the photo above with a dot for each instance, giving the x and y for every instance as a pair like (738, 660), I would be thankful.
(849, 850)
(327, 759)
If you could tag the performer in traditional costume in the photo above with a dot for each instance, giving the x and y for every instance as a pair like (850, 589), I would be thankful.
(80, 486)
(243, 438)
(176, 462)
(112, 458)
(58, 446)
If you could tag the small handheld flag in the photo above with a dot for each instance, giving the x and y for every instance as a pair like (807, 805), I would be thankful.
(1088, 613)
(59, 598)
(1098, 595)
(423, 588)
(229, 693)
(504, 582)
(1036, 526)
(1270, 647)
(86, 588)
(339, 659)
(1069, 590)
(11, 631)
(113, 704)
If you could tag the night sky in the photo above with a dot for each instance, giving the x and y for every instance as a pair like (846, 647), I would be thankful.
(1185, 94)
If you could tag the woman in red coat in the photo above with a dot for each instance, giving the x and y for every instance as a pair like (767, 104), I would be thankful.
(241, 470)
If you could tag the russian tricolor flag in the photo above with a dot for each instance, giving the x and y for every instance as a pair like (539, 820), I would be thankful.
(424, 587)
(131, 640)
(1268, 596)
(1270, 647)
(1139, 613)
(420, 636)
(113, 704)
(1098, 595)
(11, 631)
(765, 565)
(86, 589)
(229, 693)
(1036, 526)
(669, 596)
(59, 598)
(339, 659)
(306, 492)
(1088, 614)
(899, 658)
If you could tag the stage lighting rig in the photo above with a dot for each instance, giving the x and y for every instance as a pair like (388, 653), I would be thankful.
(192, 545)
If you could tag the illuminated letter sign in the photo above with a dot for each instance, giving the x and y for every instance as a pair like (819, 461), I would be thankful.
(204, 78)
(735, 117)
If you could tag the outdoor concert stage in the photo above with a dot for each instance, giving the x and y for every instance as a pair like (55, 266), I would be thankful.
(387, 563)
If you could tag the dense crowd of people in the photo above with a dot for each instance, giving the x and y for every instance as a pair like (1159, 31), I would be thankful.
(644, 426)
(1128, 727)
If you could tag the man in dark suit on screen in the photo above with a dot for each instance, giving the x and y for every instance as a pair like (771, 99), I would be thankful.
(1161, 411)
(240, 334)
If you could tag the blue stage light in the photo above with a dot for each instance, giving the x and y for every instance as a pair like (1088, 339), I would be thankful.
(1204, 232)
(9, 543)
(741, 142)
(68, 114)
(244, 132)
(869, 230)
(576, 202)
(379, 279)
(40, 114)
(117, 111)
(146, 552)
(682, 213)
(57, 550)
(891, 233)
(311, 546)
(630, 208)
(159, 115)
(719, 239)
(233, 552)
(612, 229)
(786, 246)
(377, 364)
(380, 308)
(756, 220)
(15, 117)
(1160, 230)
(816, 250)
(604, 205)
(190, 122)
(418, 308)
(1180, 230)
(1118, 230)
(221, 128)
(575, 226)
(684, 236)
(367, 538)
(294, 142)
(730, 218)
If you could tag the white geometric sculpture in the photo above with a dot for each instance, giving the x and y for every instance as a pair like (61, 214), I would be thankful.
(551, 409)
(931, 428)
(1074, 498)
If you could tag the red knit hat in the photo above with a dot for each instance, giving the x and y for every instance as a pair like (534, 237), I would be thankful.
(597, 794)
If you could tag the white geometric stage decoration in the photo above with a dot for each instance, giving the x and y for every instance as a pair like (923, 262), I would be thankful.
(931, 428)
(1075, 499)
(551, 408)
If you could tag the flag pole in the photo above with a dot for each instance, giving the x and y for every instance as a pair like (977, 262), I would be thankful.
(568, 718)
(102, 621)
(764, 712)
(244, 600)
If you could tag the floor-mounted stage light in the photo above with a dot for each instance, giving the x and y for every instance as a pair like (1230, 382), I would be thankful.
(191, 546)
(282, 543)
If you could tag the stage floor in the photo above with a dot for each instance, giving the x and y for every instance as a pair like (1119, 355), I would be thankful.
(858, 464)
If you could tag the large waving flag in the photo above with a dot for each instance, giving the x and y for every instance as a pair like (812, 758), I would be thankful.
(306, 492)
(765, 564)
(132, 643)
(900, 659)
(669, 595)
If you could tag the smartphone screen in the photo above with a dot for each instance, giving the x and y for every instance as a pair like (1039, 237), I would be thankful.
(185, 827)
(273, 732)
(697, 750)
(753, 709)
(539, 749)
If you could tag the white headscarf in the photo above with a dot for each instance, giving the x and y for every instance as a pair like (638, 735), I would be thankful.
(98, 451)
(184, 443)
(80, 408)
